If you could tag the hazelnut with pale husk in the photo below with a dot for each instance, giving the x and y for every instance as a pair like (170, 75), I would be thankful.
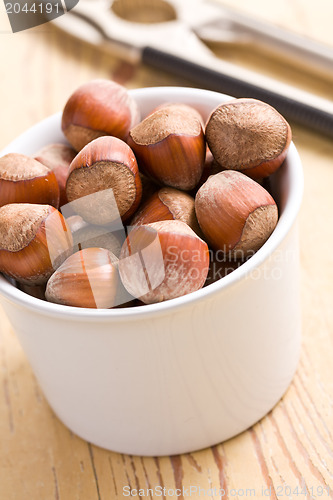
(168, 204)
(236, 214)
(170, 147)
(34, 241)
(104, 182)
(189, 110)
(26, 180)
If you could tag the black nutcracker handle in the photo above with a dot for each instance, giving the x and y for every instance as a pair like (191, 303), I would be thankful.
(293, 110)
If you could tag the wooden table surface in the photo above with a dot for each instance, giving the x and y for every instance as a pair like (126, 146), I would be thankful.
(289, 453)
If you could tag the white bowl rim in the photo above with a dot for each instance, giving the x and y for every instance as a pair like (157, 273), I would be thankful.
(285, 223)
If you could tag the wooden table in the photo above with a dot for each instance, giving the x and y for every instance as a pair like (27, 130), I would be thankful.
(288, 450)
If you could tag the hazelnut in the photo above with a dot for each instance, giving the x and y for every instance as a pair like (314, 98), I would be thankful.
(25, 180)
(170, 147)
(168, 204)
(105, 169)
(34, 241)
(162, 261)
(235, 213)
(249, 136)
(57, 157)
(88, 278)
(98, 108)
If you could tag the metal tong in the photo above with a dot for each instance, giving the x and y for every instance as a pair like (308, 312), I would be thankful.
(178, 46)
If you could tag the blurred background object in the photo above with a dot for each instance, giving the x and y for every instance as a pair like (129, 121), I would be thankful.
(172, 36)
(127, 24)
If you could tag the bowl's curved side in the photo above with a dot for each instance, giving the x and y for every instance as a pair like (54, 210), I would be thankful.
(173, 383)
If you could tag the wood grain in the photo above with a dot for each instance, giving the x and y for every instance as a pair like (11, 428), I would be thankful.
(289, 453)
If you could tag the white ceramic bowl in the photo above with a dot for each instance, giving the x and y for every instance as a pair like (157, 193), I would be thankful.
(184, 374)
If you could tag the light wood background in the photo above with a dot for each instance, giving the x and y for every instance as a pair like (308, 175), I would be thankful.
(292, 446)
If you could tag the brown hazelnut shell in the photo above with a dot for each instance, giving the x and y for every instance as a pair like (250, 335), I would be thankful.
(97, 108)
(57, 157)
(26, 180)
(170, 147)
(249, 136)
(162, 261)
(235, 213)
(88, 278)
(34, 241)
(168, 204)
(105, 164)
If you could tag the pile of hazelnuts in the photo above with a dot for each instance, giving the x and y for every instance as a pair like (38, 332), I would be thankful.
(137, 211)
